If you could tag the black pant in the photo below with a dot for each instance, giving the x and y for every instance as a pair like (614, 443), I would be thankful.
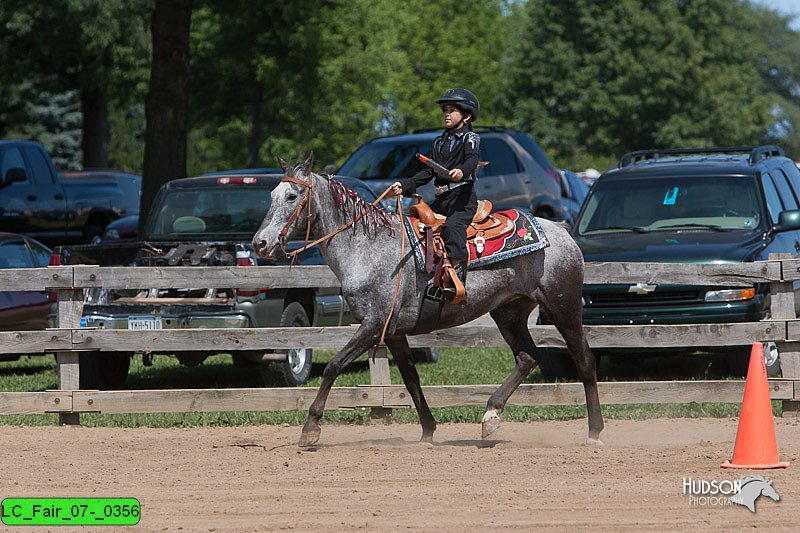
(459, 206)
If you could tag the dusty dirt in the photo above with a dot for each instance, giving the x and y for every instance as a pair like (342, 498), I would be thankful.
(379, 478)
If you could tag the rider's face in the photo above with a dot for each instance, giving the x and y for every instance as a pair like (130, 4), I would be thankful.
(452, 115)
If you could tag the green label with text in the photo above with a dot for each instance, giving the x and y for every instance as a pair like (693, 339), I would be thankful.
(70, 511)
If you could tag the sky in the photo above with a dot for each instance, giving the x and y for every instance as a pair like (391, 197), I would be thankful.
(784, 7)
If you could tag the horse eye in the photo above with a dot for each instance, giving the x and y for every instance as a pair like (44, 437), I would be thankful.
(291, 196)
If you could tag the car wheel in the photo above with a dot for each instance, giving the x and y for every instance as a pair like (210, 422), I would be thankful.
(738, 359)
(296, 369)
(556, 364)
(104, 370)
(425, 355)
(92, 234)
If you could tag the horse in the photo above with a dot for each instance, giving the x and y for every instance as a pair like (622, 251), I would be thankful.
(368, 264)
(752, 488)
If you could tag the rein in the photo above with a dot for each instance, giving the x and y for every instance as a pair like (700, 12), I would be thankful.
(306, 202)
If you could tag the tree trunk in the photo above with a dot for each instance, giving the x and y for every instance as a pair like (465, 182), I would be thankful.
(94, 144)
(166, 105)
(256, 137)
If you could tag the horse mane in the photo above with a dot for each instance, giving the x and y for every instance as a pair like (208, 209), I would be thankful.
(349, 203)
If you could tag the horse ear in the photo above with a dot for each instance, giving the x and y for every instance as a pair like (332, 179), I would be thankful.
(308, 163)
(284, 165)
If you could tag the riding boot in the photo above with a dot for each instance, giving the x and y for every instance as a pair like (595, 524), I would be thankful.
(461, 271)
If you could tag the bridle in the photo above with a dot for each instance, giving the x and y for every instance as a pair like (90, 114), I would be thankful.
(306, 202)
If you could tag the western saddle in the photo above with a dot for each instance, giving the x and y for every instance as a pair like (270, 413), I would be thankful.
(485, 226)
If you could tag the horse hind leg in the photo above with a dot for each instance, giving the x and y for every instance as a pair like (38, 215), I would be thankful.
(366, 336)
(569, 323)
(404, 359)
(512, 321)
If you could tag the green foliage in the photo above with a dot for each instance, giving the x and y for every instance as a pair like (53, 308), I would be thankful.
(589, 79)
(607, 77)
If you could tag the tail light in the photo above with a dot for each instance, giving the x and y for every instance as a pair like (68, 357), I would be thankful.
(244, 259)
(55, 260)
(553, 173)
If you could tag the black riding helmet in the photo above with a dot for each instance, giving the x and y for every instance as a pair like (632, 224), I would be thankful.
(462, 99)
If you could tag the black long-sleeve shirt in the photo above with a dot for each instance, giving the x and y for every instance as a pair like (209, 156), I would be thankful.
(456, 149)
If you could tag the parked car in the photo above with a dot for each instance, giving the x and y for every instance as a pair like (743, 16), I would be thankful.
(123, 229)
(36, 201)
(573, 192)
(518, 174)
(721, 205)
(208, 221)
(23, 310)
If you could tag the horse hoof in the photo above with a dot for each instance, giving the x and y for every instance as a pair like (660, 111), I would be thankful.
(594, 442)
(489, 425)
(309, 437)
(427, 439)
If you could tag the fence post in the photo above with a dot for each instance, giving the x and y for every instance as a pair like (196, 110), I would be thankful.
(782, 307)
(379, 375)
(70, 309)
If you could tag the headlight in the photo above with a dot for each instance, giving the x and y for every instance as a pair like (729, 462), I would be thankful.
(731, 295)
(111, 235)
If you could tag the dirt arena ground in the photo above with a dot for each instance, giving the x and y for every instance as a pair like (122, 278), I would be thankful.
(531, 476)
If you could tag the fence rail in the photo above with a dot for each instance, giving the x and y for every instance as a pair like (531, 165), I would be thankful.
(69, 340)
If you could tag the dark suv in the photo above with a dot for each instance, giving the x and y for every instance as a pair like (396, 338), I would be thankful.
(518, 174)
(723, 205)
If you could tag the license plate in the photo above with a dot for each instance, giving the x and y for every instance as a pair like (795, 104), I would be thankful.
(144, 322)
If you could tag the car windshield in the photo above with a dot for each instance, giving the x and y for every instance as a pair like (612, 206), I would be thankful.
(671, 203)
(385, 160)
(219, 211)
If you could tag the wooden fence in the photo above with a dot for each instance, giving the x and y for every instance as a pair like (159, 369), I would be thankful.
(69, 339)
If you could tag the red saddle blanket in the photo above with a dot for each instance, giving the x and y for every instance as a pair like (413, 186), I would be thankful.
(524, 237)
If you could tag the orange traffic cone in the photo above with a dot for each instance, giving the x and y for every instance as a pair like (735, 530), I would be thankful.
(755, 446)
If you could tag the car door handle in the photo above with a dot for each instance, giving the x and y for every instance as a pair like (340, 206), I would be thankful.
(32, 197)
(796, 246)
(59, 196)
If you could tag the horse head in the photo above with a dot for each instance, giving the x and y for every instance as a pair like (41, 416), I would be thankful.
(289, 211)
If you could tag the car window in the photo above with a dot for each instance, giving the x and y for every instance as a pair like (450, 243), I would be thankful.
(41, 254)
(14, 254)
(212, 212)
(773, 198)
(500, 157)
(793, 185)
(12, 158)
(385, 160)
(39, 166)
(782, 183)
(532, 148)
(652, 204)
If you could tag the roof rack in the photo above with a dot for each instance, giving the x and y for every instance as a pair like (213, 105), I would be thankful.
(475, 128)
(757, 153)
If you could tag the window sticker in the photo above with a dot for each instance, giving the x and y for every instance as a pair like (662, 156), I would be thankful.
(671, 196)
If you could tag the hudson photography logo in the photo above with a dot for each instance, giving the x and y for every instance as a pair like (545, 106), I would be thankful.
(714, 493)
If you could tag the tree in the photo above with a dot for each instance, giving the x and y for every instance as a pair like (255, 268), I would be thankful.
(165, 137)
(607, 77)
(83, 45)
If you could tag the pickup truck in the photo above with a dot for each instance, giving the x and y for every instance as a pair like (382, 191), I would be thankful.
(35, 201)
(207, 220)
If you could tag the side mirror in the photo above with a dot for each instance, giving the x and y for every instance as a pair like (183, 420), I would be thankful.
(13, 175)
(787, 220)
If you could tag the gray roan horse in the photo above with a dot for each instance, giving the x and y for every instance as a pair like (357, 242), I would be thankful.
(366, 260)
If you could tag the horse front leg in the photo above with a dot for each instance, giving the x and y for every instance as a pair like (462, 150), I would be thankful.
(512, 321)
(366, 336)
(404, 359)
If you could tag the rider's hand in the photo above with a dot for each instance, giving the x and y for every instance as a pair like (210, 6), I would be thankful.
(395, 189)
(456, 174)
